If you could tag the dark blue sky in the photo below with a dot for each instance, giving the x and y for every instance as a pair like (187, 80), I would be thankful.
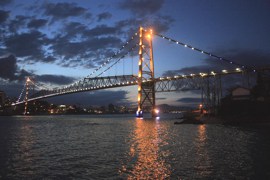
(63, 41)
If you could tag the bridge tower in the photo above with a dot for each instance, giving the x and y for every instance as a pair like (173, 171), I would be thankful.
(146, 79)
(28, 80)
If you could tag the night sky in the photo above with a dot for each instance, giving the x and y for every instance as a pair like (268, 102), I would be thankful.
(58, 42)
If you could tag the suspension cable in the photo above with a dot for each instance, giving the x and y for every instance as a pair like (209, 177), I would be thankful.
(107, 61)
(205, 52)
(123, 56)
(114, 55)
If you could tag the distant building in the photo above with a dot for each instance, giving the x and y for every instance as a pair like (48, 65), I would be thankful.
(241, 93)
(2, 98)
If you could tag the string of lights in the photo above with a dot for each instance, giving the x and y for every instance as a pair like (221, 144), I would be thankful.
(20, 96)
(205, 52)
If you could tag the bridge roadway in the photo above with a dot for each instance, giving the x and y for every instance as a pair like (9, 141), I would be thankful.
(163, 84)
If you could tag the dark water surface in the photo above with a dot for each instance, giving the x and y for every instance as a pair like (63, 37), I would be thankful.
(123, 147)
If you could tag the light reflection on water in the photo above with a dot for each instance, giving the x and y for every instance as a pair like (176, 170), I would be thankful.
(145, 152)
(203, 165)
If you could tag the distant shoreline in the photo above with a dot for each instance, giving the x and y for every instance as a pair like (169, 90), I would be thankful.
(197, 118)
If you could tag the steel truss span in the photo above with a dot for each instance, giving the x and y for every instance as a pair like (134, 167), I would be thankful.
(87, 84)
(162, 84)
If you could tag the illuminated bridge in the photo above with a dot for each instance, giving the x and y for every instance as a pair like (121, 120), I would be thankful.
(148, 85)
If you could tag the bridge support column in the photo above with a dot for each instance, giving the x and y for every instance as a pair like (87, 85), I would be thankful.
(146, 89)
(211, 93)
(26, 96)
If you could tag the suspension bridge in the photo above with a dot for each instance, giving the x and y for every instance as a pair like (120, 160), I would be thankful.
(148, 85)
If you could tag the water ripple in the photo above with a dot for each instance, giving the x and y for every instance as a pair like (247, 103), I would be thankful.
(122, 147)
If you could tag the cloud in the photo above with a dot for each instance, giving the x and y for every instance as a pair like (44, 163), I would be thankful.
(3, 16)
(9, 71)
(5, 2)
(84, 53)
(54, 79)
(37, 23)
(251, 58)
(72, 42)
(158, 24)
(63, 10)
(78, 31)
(72, 29)
(17, 23)
(100, 97)
(103, 16)
(189, 100)
(27, 44)
(102, 30)
(161, 98)
(8, 67)
(142, 7)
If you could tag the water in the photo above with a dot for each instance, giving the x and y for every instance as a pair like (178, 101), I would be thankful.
(123, 147)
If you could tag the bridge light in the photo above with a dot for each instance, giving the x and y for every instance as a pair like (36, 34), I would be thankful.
(212, 72)
(149, 36)
(185, 45)
(202, 52)
(224, 71)
(203, 74)
(238, 69)
(192, 48)
(28, 79)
